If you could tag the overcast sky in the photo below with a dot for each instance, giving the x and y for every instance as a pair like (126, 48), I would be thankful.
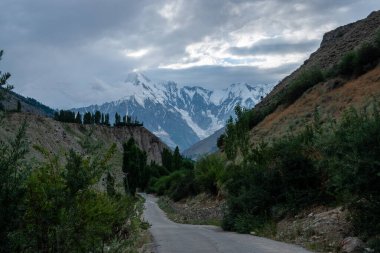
(69, 53)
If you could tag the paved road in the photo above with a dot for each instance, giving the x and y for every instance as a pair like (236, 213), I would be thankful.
(170, 237)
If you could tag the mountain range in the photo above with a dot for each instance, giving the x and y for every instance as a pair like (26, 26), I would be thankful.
(180, 116)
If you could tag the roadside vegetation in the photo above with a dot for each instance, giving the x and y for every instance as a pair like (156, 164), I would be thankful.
(54, 205)
(334, 163)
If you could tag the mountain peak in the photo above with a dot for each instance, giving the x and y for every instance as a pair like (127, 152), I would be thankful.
(137, 77)
(180, 115)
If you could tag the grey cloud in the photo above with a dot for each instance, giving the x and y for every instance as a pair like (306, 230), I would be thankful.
(57, 50)
(276, 46)
(215, 77)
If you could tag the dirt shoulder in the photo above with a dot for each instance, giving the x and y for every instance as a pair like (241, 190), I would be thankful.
(320, 229)
(202, 209)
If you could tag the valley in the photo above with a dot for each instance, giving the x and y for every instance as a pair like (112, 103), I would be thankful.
(170, 166)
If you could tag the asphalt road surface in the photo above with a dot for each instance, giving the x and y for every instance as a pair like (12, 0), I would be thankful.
(171, 237)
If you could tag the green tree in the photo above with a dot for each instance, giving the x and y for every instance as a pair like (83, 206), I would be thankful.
(177, 159)
(87, 118)
(78, 118)
(167, 160)
(97, 117)
(117, 119)
(13, 174)
(4, 76)
(18, 106)
(107, 120)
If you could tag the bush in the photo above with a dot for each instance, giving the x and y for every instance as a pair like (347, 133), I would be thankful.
(210, 173)
(367, 58)
(302, 83)
(282, 176)
(352, 155)
(177, 185)
(347, 65)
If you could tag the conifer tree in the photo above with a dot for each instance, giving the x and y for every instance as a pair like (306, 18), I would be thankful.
(4, 80)
(107, 119)
(117, 119)
(78, 118)
(18, 106)
(87, 118)
(102, 119)
(97, 117)
(167, 159)
(177, 159)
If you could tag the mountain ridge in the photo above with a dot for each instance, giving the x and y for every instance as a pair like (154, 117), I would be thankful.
(180, 116)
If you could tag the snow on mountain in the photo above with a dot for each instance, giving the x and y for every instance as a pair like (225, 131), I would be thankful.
(180, 115)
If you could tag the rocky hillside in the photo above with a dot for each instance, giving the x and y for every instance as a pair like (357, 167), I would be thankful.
(27, 104)
(59, 138)
(330, 98)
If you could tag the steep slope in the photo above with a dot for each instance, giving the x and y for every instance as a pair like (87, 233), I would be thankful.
(330, 98)
(334, 45)
(179, 116)
(29, 105)
(205, 146)
(58, 138)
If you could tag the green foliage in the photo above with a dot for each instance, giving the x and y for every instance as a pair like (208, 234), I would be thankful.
(302, 83)
(352, 155)
(134, 167)
(97, 118)
(338, 162)
(64, 213)
(18, 106)
(175, 178)
(167, 160)
(127, 121)
(13, 174)
(177, 185)
(346, 66)
(210, 174)
(359, 61)
(4, 86)
(220, 141)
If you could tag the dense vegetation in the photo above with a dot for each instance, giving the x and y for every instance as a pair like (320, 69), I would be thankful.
(53, 206)
(56, 206)
(338, 163)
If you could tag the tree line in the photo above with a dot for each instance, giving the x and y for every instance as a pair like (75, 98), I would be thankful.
(96, 118)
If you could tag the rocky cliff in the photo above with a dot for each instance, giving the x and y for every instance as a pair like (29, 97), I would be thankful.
(58, 138)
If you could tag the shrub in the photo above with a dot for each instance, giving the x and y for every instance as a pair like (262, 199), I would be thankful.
(210, 173)
(303, 82)
(177, 185)
(347, 64)
(367, 58)
(282, 176)
(352, 155)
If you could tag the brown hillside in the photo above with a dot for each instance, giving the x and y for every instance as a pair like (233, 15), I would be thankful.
(334, 45)
(59, 138)
(331, 99)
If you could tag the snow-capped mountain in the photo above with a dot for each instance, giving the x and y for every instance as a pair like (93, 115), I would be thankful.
(179, 115)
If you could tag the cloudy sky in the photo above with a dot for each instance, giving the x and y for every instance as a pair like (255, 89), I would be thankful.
(69, 53)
